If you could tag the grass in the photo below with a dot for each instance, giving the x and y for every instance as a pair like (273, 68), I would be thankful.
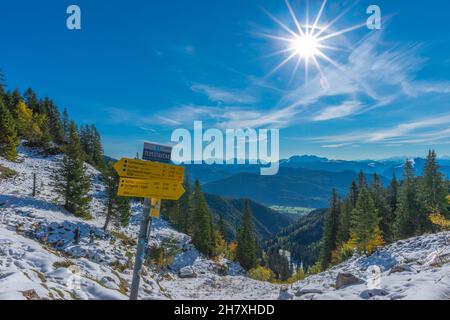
(126, 240)
(6, 173)
(63, 264)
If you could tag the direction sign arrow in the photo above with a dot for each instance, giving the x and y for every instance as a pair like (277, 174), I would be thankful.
(155, 188)
(132, 168)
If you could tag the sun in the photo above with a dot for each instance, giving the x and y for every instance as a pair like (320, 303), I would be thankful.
(308, 42)
(305, 46)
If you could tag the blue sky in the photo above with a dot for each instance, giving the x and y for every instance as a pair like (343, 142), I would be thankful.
(140, 69)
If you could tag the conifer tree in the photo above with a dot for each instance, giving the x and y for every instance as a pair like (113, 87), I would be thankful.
(91, 145)
(385, 213)
(118, 209)
(392, 194)
(247, 247)
(329, 241)
(202, 231)
(433, 192)
(65, 124)
(2, 83)
(185, 208)
(362, 182)
(343, 234)
(353, 194)
(12, 99)
(8, 137)
(70, 180)
(279, 264)
(408, 208)
(365, 220)
(56, 130)
(221, 226)
(31, 100)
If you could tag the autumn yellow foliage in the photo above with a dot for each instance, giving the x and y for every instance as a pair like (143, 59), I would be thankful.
(230, 253)
(261, 274)
(440, 221)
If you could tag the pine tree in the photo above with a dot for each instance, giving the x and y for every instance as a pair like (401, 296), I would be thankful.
(12, 99)
(185, 208)
(365, 220)
(65, 124)
(343, 234)
(408, 208)
(2, 83)
(362, 182)
(392, 194)
(118, 209)
(385, 213)
(221, 227)
(329, 241)
(202, 231)
(353, 194)
(70, 180)
(433, 192)
(91, 145)
(8, 137)
(31, 100)
(247, 247)
(279, 264)
(56, 130)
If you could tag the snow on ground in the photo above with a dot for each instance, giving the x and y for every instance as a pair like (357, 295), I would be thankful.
(415, 269)
(39, 259)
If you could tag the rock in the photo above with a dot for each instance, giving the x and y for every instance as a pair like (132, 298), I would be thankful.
(285, 294)
(302, 292)
(31, 295)
(221, 269)
(346, 279)
(401, 268)
(368, 294)
(186, 273)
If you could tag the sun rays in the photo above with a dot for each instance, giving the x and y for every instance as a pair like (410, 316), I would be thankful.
(309, 42)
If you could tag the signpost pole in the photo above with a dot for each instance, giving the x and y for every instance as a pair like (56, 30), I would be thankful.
(154, 180)
(144, 235)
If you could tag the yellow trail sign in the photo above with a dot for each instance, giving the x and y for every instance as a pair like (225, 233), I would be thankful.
(155, 188)
(155, 211)
(132, 168)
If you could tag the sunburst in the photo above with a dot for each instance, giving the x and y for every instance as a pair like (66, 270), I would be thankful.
(308, 43)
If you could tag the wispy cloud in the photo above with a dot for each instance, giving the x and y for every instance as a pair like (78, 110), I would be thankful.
(341, 111)
(431, 130)
(224, 95)
(374, 75)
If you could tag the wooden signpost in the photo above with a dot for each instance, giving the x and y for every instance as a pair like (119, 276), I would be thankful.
(154, 180)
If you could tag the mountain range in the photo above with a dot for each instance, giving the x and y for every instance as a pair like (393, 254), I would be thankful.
(303, 181)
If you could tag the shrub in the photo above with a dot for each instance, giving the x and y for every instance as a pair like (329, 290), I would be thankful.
(262, 274)
(6, 173)
(315, 269)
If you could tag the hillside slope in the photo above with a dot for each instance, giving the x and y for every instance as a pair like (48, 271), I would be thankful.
(302, 238)
(267, 222)
(38, 259)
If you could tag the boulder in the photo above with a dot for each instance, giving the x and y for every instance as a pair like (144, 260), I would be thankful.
(303, 292)
(187, 272)
(285, 294)
(347, 279)
(401, 268)
(368, 294)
